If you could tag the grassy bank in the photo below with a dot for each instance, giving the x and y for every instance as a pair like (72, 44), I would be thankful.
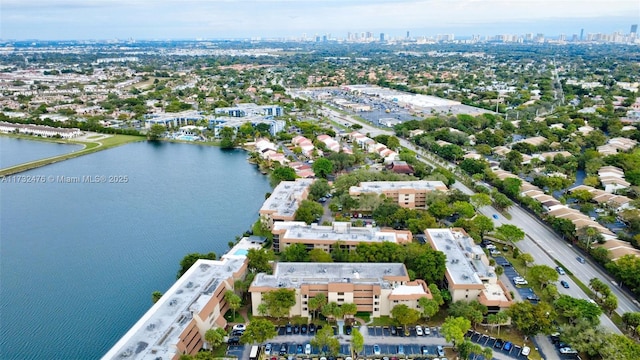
(88, 148)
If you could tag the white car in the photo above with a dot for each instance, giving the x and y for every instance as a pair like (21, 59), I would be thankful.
(307, 349)
(267, 349)
(525, 351)
(240, 327)
(567, 350)
(419, 331)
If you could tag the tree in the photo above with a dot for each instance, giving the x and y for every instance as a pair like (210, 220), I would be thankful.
(259, 331)
(322, 167)
(510, 233)
(588, 236)
(532, 319)
(435, 293)
(324, 339)
(544, 274)
(282, 173)
(357, 341)
(454, 329)
(318, 189)
(610, 303)
(190, 259)
(319, 255)
(498, 319)
(466, 348)
(482, 224)
(227, 135)
(295, 253)
(501, 201)
(308, 211)
(215, 337)
(429, 307)
(464, 209)
(527, 260)
(405, 315)
(259, 260)
(349, 309)
(332, 310)
(511, 187)
(317, 302)
(383, 214)
(155, 296)
(472, 311)
(233, 301)
(279, 302)
(480, 200)
(155, 132)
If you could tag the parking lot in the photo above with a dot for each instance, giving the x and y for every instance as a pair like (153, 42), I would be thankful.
(496, 344)
(526, 293)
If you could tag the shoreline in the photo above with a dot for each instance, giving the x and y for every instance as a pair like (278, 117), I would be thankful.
(89, 147)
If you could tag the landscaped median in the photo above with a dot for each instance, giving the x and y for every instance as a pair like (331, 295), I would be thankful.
(89, 147)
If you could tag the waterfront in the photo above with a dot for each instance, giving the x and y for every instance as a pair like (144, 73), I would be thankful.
(80, 260)
(15, 151)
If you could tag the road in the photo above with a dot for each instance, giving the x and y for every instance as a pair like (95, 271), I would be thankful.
(541, 242)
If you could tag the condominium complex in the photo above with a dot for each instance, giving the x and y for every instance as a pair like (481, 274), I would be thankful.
(469, 275)
(284, 201)
(316, 236)
(373, 287)
(176, 324)
(250, 109)
(407, 194)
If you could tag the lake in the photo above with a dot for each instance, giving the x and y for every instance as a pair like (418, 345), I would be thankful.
(80, 260)
(17, 151)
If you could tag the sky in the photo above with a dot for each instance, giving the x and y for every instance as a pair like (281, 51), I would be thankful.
(223, 19)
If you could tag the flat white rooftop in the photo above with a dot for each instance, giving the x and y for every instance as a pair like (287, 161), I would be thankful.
(338, 231)
(464, 262)
(293, 275)
(381, 186)
(155, 335)
(285, 197)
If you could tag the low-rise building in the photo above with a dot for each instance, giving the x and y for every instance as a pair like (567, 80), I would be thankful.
(373, 287)
(314, 236)
(39, 130)
(176, 323)
(407, 194)
(284, 201)
(469, 275)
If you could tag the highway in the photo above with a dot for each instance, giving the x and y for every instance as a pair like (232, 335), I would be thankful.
(540, 241)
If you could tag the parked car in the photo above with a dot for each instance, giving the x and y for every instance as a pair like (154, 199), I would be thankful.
(299, 349)
(564, 284)
(347, 329)
(303, 329)
(289, 329)
(267, 349)
(507, 346)
(400, 349)
(241, 327)
(440, 350)
(312, 328)
(394, 332)
(499, 343)
(283, 349)
(560, 270)
(533, 297)
(237, 332)
(234, 340)
(376, 350)
(427, 331)
(424, 350)
(567, 350)
(419, 331)
(296, 329)
(307, 349)
(525, 351)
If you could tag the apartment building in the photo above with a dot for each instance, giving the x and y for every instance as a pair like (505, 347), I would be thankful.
(407, 194)
(39, 130)
(284, 201)
(176, 324)
(469, 275)
(373, 287)
(314, 236)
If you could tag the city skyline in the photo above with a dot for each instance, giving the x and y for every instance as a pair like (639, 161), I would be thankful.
(198, 19)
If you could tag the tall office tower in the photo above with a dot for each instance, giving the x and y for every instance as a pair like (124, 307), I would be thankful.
(634, 29)
(408, 34)
(349, 36)
(581, 34)
(381, 37)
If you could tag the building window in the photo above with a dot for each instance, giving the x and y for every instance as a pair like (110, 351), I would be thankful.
(376, 309)
(304, 309)
(395, 301)
(306, 296)
(340, 294)
(304, 303)
(376, 296)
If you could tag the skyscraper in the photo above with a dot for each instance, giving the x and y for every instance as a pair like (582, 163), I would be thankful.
(634, 29)
(381, 37)
(581, 34)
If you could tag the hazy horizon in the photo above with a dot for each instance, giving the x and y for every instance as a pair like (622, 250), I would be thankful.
(227, 19)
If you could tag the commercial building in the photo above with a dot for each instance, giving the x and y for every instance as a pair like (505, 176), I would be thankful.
(314, 236)
(250, 109)
(373, 287)
(469, 275)
(407, 194)
(189, 117)
(284, 201)
(218, 123)
(176, 324)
